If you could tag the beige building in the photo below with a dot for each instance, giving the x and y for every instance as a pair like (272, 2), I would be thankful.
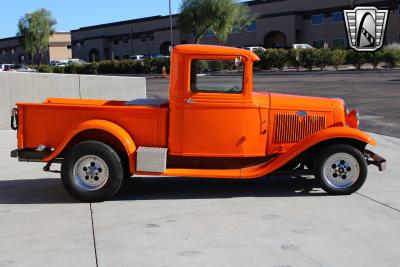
(59, 48)
(279, 23)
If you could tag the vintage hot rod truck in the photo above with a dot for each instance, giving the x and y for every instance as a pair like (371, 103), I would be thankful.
(203, 130)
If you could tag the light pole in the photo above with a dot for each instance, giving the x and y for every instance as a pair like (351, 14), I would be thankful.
(170, 25)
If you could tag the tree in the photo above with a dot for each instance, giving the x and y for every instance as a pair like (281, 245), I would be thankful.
(34, 31)
(217, 16)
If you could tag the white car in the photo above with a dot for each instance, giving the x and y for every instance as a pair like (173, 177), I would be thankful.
(137, 57)
(22, 68)
(75, 61)
(3, 66)
(302, 46)
(255, 48)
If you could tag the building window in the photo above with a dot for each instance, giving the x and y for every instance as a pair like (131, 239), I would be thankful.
(116, 41)
(398, 10)
(209, 33)
(151, 37)
(318, 43)
(3, 52)
(12, 51)
(125, 40)
(338, 43)
(317, 19)
(147, 37)
(236, 29)
(337, 17)
(252, 27)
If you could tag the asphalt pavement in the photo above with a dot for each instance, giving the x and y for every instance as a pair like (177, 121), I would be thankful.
(153, 221)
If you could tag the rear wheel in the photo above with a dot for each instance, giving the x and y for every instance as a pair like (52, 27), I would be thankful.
(341, 169)
(92, 171)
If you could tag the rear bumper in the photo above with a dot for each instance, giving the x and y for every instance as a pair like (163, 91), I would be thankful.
(30, 155)
(374, 159)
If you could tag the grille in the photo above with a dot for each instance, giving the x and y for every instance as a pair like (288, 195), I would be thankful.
(291, 128)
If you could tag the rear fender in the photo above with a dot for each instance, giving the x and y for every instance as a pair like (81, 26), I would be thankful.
(107, 126)
(312, 140)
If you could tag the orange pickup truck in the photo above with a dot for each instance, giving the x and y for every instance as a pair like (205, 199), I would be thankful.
(221, 130)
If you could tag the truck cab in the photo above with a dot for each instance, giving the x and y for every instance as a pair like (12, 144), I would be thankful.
(213, 126)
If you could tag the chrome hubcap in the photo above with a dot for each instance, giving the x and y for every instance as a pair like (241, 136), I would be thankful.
(90, 172)
(341, 170)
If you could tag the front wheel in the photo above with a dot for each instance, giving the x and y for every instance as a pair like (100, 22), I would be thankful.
(92, 171)
(341, 169)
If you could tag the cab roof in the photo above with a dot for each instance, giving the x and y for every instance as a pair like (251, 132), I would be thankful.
(214, 50)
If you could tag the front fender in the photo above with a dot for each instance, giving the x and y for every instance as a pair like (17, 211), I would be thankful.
(297, 149)
(121, 134)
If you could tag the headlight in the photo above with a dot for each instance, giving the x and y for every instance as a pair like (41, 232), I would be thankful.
(352, 119)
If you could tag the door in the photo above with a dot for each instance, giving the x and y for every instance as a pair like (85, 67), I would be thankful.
(217, 120)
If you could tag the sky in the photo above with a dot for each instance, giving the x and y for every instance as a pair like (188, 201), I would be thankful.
(73, 14)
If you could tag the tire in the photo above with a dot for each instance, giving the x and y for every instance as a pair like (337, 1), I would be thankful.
(92, 171)
(341, 169)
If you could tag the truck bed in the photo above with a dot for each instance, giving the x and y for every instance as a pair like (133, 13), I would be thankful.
(47, 123)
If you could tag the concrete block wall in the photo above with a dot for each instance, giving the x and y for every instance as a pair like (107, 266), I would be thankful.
(36, 87)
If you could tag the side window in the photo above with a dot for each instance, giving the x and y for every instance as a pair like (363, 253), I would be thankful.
(202, 82)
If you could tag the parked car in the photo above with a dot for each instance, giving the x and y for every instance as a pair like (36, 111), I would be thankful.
(22, 68)
(302, 46)
(137, 57)
(255, 48)
(3, 67)
(56, 63)
(204, 130)
(76, 61)
(155, 56)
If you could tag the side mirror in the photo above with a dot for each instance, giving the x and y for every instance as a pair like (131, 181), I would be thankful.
(238, 62)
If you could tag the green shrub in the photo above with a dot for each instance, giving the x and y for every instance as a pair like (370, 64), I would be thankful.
(70, 69)
(126, 67)
(58, 69)
(202, 66)
(357, 59)
(293, 58)
(307, 58)
(280, 58)
(338, 57)
(391, 56)
(375, 58)
(157, 64)
(265, 62)
(108, 67)
(90, 68)
(323, 57)
(215, 65)
(44, 69)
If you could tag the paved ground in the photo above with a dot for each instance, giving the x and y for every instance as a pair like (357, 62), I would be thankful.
(273, 222)
(376, 94)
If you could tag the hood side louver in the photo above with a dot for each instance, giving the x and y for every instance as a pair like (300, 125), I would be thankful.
(291, 128)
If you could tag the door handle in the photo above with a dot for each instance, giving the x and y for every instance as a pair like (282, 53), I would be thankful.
(189, 101)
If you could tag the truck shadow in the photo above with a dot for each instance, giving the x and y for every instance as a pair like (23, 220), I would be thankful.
(51, 190)
(146, 188)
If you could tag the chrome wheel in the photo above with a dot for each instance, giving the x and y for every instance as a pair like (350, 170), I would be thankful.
(341, 170)
(90, 173)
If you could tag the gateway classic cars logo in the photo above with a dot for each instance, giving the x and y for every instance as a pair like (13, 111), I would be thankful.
(365, 27)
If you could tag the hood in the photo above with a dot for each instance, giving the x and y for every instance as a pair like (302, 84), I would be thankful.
(298, 103)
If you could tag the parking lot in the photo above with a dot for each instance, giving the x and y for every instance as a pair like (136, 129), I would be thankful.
(273, 221)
